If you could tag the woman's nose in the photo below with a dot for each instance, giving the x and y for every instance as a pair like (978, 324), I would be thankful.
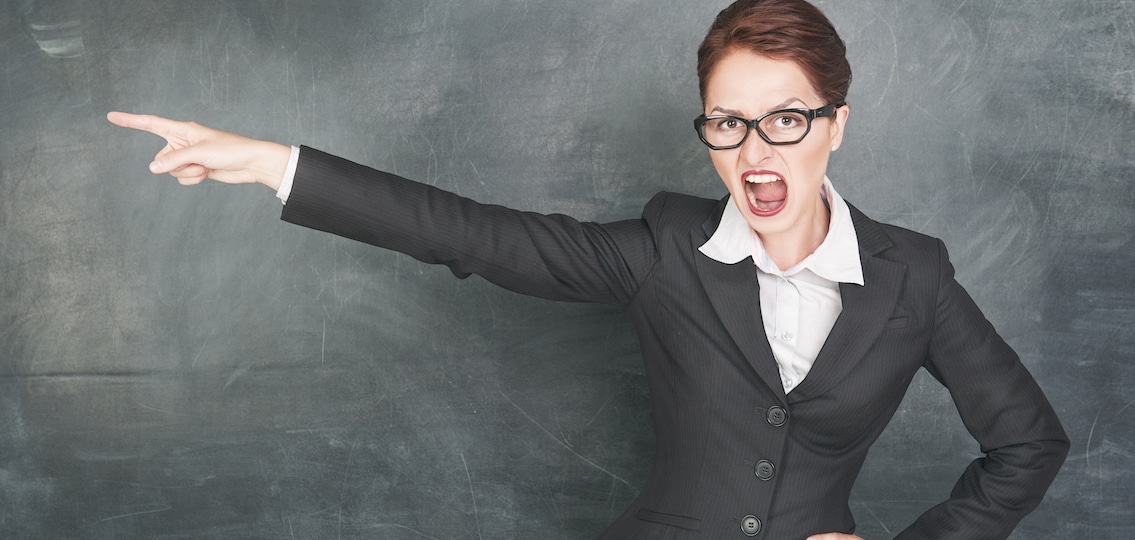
(755, 149)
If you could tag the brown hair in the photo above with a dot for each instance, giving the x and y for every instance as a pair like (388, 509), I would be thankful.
(782, 30)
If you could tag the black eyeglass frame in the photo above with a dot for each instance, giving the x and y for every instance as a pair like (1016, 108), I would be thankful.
(754, 124)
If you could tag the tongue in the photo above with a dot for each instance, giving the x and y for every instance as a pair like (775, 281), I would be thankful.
(768, 195)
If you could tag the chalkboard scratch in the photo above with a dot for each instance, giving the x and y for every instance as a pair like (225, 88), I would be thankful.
(481, 180)
(492, 310)
(252, 70)
(555, 506)
(926, 222)
(417, 532)
(160, 410)
(1088, 445)
(199, 483)
(955, 13)
(323, 347)
(563, 436)
(290, 73)
(234, 376)
(894, 61)
(473, 495)
(877, 520)
(1124, 408)
(283, 451)
(561, 443)
(338, 506)
(601, 407)
(611, 498)
(989, 32)
(343, 484)
(143, 512)
(199, 351)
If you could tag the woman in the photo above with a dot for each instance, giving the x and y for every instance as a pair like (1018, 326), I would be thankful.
(780, 327)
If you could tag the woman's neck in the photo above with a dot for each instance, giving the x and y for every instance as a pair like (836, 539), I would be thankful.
(788, 248)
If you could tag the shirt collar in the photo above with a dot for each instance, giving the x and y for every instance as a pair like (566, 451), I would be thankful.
(837, 258)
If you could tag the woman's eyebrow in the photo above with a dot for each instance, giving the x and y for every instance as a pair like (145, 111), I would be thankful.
(776, 107)
(729, 112)
(786, 103)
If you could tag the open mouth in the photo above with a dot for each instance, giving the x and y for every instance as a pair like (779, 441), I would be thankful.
(767, 193)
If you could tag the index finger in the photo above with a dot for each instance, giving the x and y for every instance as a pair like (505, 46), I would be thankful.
(162, 127)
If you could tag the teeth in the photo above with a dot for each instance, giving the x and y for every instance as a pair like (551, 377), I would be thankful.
(761, 178)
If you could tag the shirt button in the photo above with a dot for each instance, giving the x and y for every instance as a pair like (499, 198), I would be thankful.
(777, 416)
(750, 525)
(765, 470)
(787, 336)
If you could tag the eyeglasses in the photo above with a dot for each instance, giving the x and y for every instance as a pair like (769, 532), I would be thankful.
(786, 126)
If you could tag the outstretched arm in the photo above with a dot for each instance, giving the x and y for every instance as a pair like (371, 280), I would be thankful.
(194, 152)
(550, 256)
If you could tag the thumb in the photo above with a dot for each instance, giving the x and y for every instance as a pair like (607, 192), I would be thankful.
(190, 174)
(180, 164)
(171, 160)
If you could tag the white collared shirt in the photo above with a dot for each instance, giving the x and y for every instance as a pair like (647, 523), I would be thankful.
(799, 305)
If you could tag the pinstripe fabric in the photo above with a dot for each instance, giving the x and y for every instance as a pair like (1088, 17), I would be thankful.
(718, 405)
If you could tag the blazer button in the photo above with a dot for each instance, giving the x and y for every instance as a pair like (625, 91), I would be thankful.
(765, 469)
(750, 525)
(777, 416)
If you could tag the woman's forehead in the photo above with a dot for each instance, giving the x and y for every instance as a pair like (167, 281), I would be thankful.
(749, 83)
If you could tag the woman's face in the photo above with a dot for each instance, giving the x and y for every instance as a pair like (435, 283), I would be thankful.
(777, 188)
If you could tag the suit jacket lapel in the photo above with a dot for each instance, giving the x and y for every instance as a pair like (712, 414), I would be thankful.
(735, 295)
(865, 312)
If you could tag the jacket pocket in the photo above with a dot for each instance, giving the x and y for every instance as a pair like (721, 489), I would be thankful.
(897, 322)
(900, 318)
(681, 522)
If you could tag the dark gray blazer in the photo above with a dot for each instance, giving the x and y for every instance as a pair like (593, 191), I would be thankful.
(736, 457)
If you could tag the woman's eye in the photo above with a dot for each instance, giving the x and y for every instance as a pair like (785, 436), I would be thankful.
(787, 121)
(728, 124)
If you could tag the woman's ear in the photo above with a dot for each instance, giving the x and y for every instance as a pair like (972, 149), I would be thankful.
(839, 121)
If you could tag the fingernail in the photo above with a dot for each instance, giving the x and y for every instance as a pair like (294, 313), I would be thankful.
(155, 166)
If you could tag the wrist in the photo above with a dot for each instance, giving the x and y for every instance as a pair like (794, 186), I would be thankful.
(271, 163)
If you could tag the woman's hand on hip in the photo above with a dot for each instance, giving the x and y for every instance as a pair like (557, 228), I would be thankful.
(194, 152)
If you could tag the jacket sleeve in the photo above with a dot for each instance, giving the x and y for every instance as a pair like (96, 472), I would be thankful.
(548, 256)
(1006, 412)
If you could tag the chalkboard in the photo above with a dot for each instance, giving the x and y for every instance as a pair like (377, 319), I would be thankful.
(177, 363)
